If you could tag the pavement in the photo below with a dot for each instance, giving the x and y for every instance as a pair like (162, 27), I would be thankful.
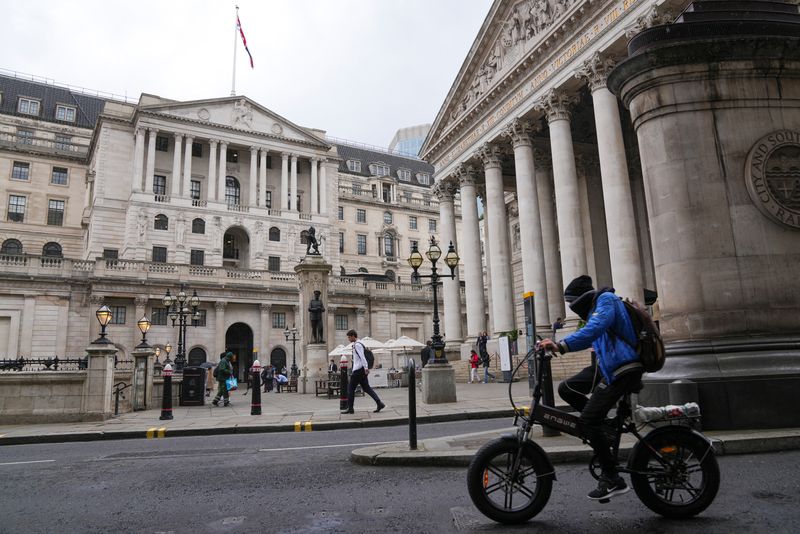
(297, 412)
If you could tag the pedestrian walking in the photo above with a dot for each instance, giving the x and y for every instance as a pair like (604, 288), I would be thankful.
(483, 339)
(557, 325)
(425, 353)
(224, 371)
(267, 375)
(359, 375)
(474, 360)
(486, 374)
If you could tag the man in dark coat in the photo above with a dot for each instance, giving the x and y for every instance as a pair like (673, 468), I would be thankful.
(425, 353)
(224, 370)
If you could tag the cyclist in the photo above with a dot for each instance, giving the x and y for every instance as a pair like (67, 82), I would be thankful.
(606, 322)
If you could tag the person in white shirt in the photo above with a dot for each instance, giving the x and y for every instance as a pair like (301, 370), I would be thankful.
(359, 375)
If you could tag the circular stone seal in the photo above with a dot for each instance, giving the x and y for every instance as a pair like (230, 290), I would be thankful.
(772, 174)
(277, 129)
(203, 114)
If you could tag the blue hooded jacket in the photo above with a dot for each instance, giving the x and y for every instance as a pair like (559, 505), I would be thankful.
(612, 352)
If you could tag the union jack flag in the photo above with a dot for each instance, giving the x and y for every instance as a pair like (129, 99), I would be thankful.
(244, 40)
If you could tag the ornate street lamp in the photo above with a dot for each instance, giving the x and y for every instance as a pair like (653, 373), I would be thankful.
(451, 259)
(158, 353)
(167, 349)
(180, 309)
(144, 326)
(104, 316)
(291, 335)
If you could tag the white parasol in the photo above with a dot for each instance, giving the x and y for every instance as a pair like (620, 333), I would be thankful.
(403, 343)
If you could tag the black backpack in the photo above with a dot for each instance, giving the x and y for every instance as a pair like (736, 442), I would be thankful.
(649, 344)
(369, 356)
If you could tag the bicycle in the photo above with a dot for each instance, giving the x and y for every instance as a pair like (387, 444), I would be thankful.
(673, 468)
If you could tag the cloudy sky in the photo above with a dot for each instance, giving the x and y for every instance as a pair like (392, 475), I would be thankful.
(359, 69)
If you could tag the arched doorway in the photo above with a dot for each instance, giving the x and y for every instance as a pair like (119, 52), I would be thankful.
(236, 248)
(239, 340)
(197, 356)
(278, 358)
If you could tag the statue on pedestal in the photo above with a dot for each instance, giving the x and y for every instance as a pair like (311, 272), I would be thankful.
(311, 243)
(315, 310)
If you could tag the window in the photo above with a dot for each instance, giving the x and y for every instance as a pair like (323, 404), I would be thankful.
(63, 142)
(279, 320)
(11, 246)
(304, 237)
(388, 245)
(198, 226)
(340, 322)
(28, 106)
(387, 218)
(274, 234)
(52, 250)
(65, 113)
(159, 184)
(21, 171)
(356, 190)
(341, 242)
(269, 162)
(431, 225)
(16, 208)
(197, 257)
(232, 192)
(379, 169)
(110, 254)
(160, 254)
(24, 137)
(362, 244)
(117, 314)
(426, 200)
(162, 143)
(60, 176)
(201, 319)
(341, 213)
(274, 264)
(55, 212)
(197, 150)
(232, 156)
(404, 175)
(424, 178)
(412, 222)
(386, 193)
(194, 190)
(158, 316)
(268, 199)
(353, 165)
(390, 275)
(414, 245)
(161, 222)
(361, 216)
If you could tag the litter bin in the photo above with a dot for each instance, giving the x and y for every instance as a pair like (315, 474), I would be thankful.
(193, 387)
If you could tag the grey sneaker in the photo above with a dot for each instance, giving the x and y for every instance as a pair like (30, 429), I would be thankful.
(608, 487)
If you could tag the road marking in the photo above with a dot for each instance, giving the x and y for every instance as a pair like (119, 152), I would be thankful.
(156, 432)
(299, 426)
(28, 462)
(327, 446)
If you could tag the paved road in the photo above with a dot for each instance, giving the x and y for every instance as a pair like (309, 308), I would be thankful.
(304, 482)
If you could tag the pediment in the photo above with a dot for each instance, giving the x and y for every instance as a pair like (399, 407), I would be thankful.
(238, 113)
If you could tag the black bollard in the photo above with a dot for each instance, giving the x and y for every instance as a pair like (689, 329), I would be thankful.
(255, 403)
(412, 405)
(166, 395)
(343, 385)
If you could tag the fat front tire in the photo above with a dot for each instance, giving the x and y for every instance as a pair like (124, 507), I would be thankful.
(503, 493)
(675, 473)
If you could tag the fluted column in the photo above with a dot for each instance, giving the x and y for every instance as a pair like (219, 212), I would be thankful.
(223, 170)
(219, 327)
(175, 188)
(251, 201)
(138, 157)
(451, 288)
(361, 322)
(470, 252)
(263, 343)
(187, 167)
(530, 226)
(284, 181)
(487, 253)
(502, 287)
(570, 234)
(211, 183)
(293, 184)
(623, 246)
(323, 188)
(552, 260)
(152, 133)
(262, 176)
(314, 208)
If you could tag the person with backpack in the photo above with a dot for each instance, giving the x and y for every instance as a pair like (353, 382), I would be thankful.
(267, 376)
(359, 375)
(610, 332)
(223, 370)
(486, 360)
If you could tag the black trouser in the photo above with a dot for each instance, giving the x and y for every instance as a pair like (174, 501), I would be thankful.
(359, 377)
(594, 413)
(576, 389)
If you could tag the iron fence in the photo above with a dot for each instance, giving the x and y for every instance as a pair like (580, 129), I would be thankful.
(44, 364)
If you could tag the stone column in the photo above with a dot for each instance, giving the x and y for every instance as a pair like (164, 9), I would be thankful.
(211, 185)
(323, 188)
(263, 338)
(570, 234)
(500, 259)
(187, 167)
(138, 156)
(486, 262)
(314, 208)
(140, 304)
(293, 184)
(284, 181)
(152, 133)
(451, 289)
(262, 176)
(219, 327)
(361, 322)
(623, 246)
(552, 260)
(470, 252)
(253, 195)
(223, 170)
(330, 337)
(175, 188)
(530, 225)
(96, 399)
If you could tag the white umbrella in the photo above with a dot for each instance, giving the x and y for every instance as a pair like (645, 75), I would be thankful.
(338, 351)
(371, 344)
(403, 343)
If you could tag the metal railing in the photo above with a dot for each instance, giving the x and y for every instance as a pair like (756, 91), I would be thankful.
(42, 144)
(44, 364)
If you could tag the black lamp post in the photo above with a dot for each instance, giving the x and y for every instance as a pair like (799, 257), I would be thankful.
(451, 259)
(104, 316)
(291, 335)
(144, 326)
(178, 308)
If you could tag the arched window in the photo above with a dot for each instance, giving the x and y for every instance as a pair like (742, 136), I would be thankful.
(387, 218)
(363, 270)
(52, 250)
(161, 222)
(198, 226)
(11, 246)
(274, 234)
(390, 275)
(232, 192)
(304, 237)
(388, 245)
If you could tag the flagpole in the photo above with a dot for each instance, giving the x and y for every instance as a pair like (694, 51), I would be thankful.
(235, 38)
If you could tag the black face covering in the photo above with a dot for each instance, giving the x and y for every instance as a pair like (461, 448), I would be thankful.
(583, 304)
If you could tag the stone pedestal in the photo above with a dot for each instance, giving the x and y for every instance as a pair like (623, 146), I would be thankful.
(438, 383)
(312, 275)
(97, 400)
(317, 360)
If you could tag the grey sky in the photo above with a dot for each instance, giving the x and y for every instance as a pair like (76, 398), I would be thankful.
(359, 69)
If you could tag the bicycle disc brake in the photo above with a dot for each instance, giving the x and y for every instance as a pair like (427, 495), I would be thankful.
(594, 467)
